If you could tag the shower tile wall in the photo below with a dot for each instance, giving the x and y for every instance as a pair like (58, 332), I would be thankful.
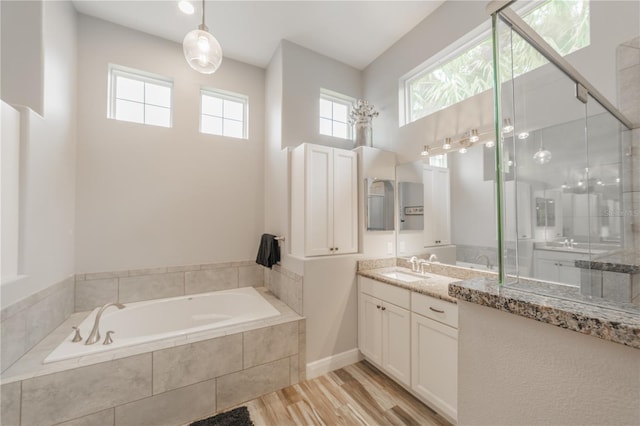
(628, 57)
(96, 289)
(28, 321)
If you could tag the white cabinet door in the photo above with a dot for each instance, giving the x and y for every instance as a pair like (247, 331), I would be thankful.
(345, 202)
(370, 327)
(396, 342)
(437, 206)
(318, 200)
(568, 273)
(434, 369)
(546, 269)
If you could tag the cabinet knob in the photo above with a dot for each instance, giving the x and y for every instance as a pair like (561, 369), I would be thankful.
(378, 306)
(384, 309)
(331, 249)
(336, 248)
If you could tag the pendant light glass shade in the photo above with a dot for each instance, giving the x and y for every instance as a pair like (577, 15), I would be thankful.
(201, 50)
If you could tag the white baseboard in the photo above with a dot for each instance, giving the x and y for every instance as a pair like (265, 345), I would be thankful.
(333, 362)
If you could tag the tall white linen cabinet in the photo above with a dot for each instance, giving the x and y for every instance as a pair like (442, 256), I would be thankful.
(324, 201)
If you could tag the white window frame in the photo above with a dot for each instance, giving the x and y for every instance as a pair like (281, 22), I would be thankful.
(229, 96)
(143, 76)
(467, 42)
(338, 98)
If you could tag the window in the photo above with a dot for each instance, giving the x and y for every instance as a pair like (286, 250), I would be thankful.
(334, 114)
(224, 113)
(139, 97)
(453, 76)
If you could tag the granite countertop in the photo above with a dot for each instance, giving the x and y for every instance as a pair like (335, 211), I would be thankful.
(608, 324)
(431, 285)
(624, 261)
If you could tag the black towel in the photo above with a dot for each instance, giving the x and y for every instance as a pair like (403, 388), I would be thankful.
(269, 251)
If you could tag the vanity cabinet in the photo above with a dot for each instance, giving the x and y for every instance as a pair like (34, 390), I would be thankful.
(437, 206)
(558, 266)
(324, 201)
(434, 357)
(384, 324)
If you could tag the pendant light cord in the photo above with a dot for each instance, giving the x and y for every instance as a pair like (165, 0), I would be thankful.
(203, 13)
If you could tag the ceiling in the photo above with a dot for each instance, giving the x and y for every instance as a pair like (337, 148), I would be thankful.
(353, 32)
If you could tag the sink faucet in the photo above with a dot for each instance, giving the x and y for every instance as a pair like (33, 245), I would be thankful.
(95, 331)
(486, 258)
(414, 263)
(433, 258)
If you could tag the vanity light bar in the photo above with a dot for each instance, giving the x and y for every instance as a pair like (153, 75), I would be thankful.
(462, 143)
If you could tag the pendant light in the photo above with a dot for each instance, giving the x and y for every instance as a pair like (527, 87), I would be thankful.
(542, 156)
(201, 50)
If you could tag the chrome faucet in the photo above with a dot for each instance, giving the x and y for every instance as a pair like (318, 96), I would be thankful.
(433, 258)
(414, 263)
(95, 331)
(486, 258)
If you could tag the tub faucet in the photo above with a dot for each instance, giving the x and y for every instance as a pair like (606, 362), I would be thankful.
(486, 258)
(95, 331)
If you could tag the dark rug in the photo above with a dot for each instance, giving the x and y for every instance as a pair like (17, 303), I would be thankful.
(236, 417)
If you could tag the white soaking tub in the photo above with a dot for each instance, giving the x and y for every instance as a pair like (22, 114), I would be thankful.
(148, 321)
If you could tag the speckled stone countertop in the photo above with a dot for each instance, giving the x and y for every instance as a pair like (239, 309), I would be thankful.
(608, 324)
(432, 285)
(626, 262)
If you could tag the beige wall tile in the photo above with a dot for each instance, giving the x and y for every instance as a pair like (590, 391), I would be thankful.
(13, 331)
(270, 343)
(147, 271)
(103, 275)
(49, 313)
(10, 406)
(101, 418)
(187, 364)
(75, 393)
(247, 384)
(211, 280)
(176, 407)
(146, 287)
(250, 276)
(93, 293)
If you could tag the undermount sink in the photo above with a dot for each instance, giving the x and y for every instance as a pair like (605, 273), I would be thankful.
(401, 276)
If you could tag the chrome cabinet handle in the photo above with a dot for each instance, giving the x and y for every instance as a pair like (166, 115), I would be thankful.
(436, 310)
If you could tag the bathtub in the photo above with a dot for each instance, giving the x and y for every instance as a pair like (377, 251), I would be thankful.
(477, 266)
(148, 321)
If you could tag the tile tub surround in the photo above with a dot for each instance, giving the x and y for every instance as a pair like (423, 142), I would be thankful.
(286, 285)
(167, 382)
(96, 289)
(608, 324)
(26, 322)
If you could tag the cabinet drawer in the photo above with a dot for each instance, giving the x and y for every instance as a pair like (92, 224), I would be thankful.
(436, 309)
(396, 295)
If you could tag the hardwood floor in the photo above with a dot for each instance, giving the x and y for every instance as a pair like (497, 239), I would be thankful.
(355, 395)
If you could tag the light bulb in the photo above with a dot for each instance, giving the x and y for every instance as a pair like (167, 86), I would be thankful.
(447, 143)
(507, 127)
(565, 186)
(462, 150)
(203, 44)
(425, 151)
(542, 156)
(580, 183)
(473, 138)
(617, 180)
(523, 135)
(202, 51)
(490, 144)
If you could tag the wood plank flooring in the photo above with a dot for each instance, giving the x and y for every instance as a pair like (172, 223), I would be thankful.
(355, 395)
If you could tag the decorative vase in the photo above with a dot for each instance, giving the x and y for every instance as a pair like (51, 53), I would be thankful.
(364, 134)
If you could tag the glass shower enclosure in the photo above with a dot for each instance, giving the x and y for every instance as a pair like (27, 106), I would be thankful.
(563, 173)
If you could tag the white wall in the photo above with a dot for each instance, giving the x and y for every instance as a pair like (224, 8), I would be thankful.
(151, 196)
(10, 191)
(304, 73)
(22, 52)
(517, 371)
(47, 157)
(330, 305)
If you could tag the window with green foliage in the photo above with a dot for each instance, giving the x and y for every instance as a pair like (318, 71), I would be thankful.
(468, 71)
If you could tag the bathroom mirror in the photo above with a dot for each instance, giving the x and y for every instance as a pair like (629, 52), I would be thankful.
(379, 195)
(410, 206)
